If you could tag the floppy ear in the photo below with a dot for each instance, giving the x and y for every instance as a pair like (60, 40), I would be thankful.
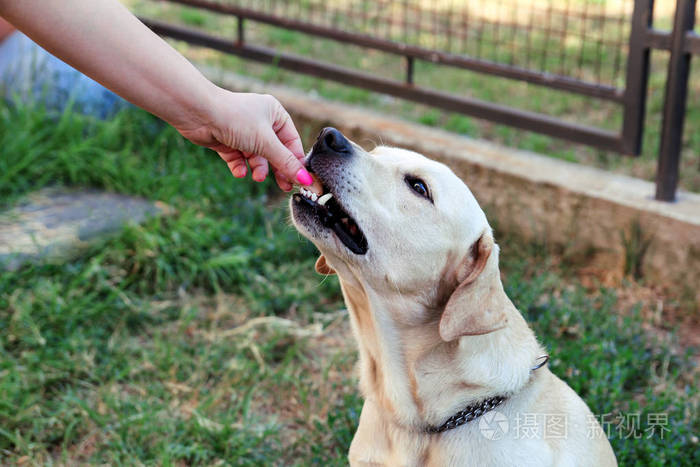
(322, 267)
(477, 306)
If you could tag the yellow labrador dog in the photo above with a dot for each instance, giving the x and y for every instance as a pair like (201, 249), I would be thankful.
(451, 373)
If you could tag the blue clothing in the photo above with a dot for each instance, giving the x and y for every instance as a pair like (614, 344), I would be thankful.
(29, 72)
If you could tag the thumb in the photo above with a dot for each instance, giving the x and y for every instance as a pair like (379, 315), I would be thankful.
(284, 160)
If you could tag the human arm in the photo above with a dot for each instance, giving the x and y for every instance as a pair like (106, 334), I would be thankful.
(105, 41)
(5, 29)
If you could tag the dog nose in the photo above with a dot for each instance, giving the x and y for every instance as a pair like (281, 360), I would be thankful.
(332, 140)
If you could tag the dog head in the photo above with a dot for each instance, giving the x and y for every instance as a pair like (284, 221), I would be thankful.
(402, 224)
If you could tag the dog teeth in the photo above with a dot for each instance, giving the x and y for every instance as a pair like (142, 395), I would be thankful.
(308, 194)
(322, 200)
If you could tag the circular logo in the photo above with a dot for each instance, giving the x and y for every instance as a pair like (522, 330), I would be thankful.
(493, 425)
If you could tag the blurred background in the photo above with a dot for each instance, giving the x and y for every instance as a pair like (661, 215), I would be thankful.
(568, 45)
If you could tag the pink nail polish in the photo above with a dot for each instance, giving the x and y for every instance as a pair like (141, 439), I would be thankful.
(304, 177)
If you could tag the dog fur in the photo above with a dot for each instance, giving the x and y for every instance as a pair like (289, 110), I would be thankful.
(435, 329)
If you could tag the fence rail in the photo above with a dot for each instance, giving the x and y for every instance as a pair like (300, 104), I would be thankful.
(586, 47)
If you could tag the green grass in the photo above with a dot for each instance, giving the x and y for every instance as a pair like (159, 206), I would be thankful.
(134, 352)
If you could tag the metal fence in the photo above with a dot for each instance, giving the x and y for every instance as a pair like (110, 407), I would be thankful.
(585, 47)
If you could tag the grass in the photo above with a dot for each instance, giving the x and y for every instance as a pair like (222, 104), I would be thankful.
(521, 95)
(205, 338)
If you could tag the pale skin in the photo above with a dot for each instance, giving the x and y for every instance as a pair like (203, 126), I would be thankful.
(102, 39)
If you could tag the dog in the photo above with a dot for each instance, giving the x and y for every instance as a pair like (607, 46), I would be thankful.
(450, 371)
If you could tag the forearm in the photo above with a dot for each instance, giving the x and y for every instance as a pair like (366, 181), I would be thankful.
(105, 41)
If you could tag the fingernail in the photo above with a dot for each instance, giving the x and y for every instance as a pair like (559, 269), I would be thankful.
(304, 177)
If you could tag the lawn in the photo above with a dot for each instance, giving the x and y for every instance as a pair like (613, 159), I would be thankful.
(503, 91)
(205, 337)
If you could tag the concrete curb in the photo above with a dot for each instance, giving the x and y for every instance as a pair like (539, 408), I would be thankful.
(56, 224)
(606, 221)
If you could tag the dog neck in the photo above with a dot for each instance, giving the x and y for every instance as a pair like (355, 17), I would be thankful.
(416, 378)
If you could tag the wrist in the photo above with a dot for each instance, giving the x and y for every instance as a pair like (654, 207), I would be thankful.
(199, 107)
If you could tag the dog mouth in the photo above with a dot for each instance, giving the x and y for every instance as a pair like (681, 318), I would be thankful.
(329, 211)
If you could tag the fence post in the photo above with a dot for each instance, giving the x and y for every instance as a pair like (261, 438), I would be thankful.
(636, 78)
(240, 26)
(409, 70)
(675, 103)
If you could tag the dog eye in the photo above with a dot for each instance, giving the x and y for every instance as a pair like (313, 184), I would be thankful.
(418, 186)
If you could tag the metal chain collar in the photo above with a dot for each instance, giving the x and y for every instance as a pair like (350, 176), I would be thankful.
(477, 410)
(468, 414)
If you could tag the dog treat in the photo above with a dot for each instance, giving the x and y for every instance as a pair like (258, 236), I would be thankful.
(316, 186)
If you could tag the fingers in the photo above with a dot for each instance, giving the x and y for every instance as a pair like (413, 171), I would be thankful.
(258, 167)
(282, 182)
(289, 136)
(285, 161)
(238, 167)
(239, 161)
(234, 159)
(267, 138)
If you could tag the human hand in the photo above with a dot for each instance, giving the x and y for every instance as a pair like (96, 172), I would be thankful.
(247, 130)
(251, 130)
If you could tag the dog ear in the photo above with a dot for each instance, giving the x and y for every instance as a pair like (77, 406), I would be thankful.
(322, 267)
(477, 306)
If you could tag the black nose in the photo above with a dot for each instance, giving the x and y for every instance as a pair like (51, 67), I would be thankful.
(332, 140)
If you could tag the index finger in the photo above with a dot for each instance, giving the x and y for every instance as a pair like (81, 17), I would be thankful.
(289, 136)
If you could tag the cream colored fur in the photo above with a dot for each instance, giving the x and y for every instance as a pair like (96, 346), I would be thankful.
(435, 329)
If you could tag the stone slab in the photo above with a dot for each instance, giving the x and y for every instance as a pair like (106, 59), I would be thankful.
(606, 221)
(54, 224)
